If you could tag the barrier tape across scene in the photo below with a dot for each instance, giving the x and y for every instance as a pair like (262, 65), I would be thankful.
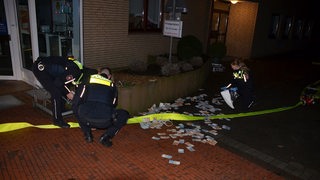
(6, 127)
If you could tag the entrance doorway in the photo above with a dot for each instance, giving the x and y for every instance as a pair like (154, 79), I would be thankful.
(219, 17)
(5, 54)
(33, 28)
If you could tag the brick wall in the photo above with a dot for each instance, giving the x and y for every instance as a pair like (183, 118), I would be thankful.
(263, 45)
(196, 21)
(242, 20)
(106, 41)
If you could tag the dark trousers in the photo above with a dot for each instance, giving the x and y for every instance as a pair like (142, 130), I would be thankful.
(245, 91)
(48, 83)
(244, 100)
(97, 115)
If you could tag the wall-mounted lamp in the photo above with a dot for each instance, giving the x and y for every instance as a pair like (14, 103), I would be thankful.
(234, 1)
(241, 1)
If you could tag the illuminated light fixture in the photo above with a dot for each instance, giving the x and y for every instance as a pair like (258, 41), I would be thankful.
(234, 1)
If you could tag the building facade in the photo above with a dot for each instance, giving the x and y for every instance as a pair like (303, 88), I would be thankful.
(102, 33)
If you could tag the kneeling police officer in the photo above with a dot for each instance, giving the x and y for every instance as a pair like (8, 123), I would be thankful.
(94, 105)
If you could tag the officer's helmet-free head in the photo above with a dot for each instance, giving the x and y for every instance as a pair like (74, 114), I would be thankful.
(73, 71)
(106, 72)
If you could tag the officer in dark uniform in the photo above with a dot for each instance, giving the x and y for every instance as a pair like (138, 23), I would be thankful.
(243, 80)
(94, 105)
(54, 72)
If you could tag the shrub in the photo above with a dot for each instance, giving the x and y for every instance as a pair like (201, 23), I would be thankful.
(170, 69)
(138, 66)
(189, 47)
(217, 50)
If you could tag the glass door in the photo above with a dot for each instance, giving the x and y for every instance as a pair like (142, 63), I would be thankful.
(58, 27)
(5, 53)
(48, 28)
(25, 34)
(33, 28)
(218, 21)
(25, 14)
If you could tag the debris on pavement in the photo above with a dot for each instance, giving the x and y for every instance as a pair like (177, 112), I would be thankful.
(174, 162)
(166, 156)
(198, 132)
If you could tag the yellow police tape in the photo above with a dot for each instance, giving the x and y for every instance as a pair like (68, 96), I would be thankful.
(6, 127)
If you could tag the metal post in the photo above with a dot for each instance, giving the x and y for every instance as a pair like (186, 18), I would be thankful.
(170, 56)
(173, 18)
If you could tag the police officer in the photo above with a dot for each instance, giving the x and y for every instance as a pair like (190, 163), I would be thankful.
(94, 105)
(54, 72)
(242, 79)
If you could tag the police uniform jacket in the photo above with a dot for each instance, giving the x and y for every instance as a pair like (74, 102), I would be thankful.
(58, 68)
(96, 99)
(243, 81)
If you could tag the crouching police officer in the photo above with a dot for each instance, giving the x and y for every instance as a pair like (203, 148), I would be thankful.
(54, 72)
(94, 105)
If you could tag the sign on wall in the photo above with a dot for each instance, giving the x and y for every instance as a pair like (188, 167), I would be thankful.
(3, 28)
(172, 28)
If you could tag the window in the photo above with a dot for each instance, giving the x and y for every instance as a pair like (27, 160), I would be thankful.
(58, 24)
(298, 29)
(145, 15)
(219, 13)
(274, 28)
(219, 26)
(308, 29)
(287, 27)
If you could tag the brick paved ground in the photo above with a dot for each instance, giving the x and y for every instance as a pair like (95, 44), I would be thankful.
(33, 153)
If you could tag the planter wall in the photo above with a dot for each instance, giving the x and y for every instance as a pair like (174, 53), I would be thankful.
(139, 98)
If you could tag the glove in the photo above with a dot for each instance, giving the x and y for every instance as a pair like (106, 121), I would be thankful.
(223, 88)
(234, 89)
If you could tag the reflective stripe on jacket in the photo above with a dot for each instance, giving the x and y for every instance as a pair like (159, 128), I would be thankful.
(101, 89)
(240, 74)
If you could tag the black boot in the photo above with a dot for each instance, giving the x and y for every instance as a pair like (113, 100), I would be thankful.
(61, 123)
(106, 140)
(88, 137)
